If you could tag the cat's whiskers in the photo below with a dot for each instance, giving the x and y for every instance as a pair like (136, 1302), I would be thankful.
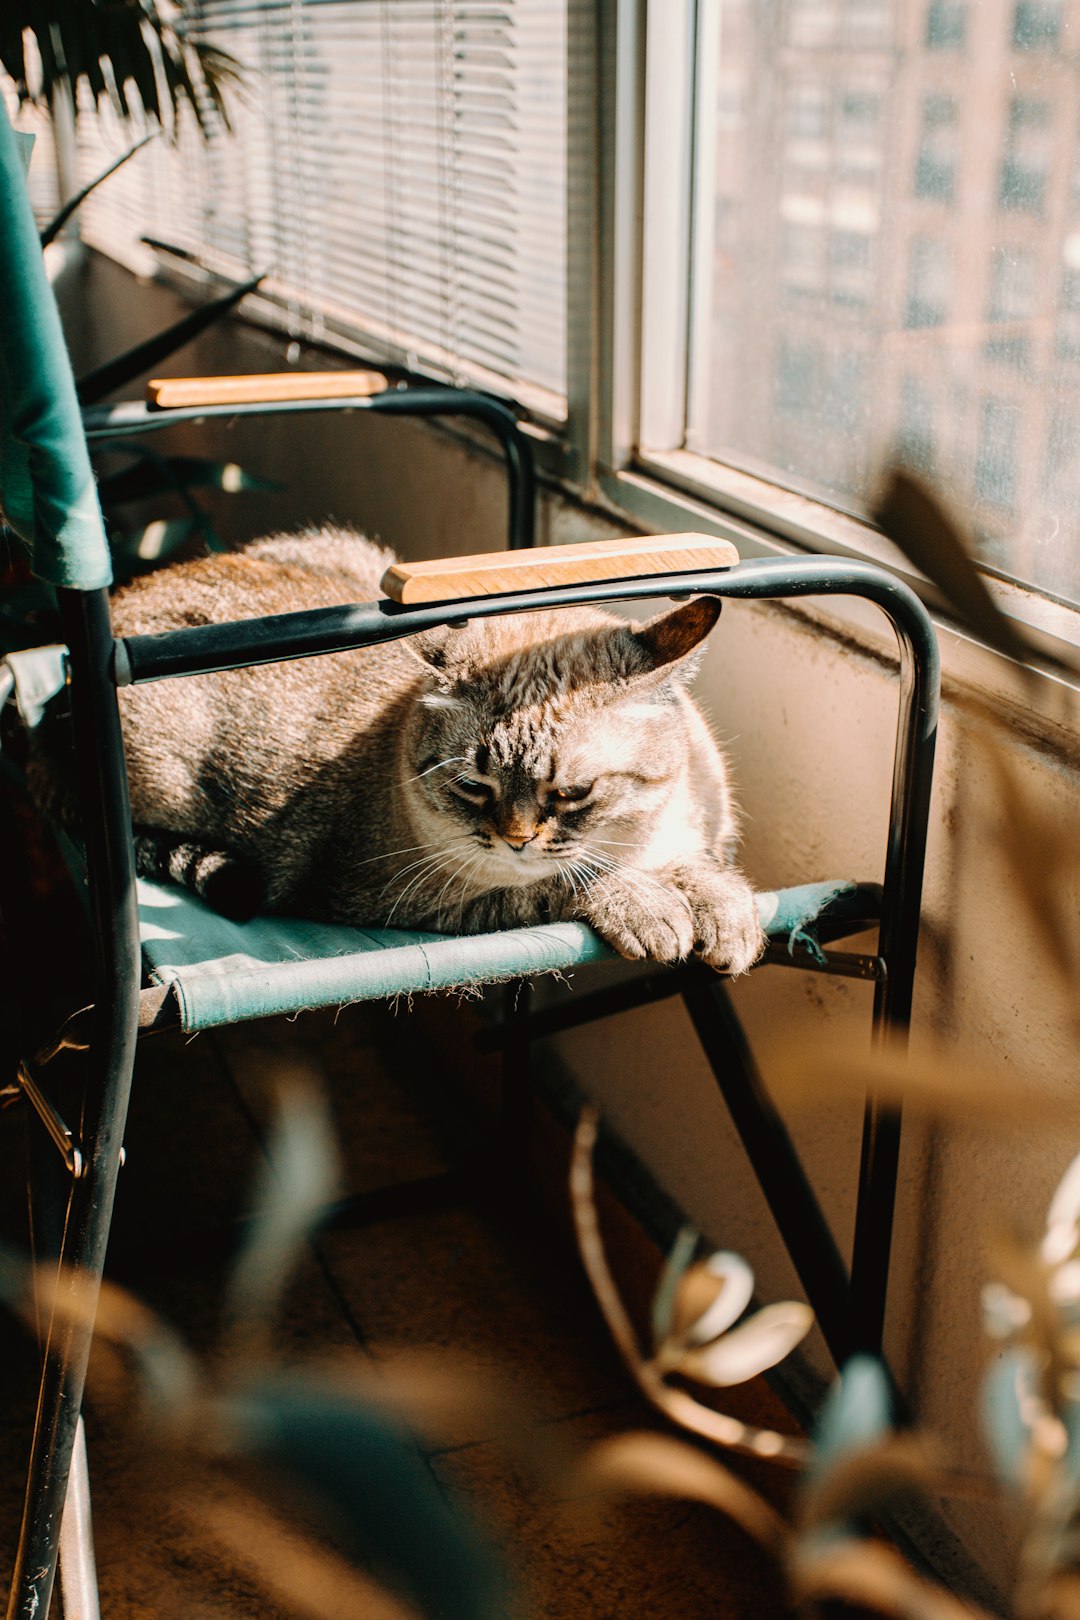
(637, 881)
(429, 868)
(408, 849)
(439, 765)
(438, 845)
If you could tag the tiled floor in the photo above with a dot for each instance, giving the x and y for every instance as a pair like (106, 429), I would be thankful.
(476, 1285)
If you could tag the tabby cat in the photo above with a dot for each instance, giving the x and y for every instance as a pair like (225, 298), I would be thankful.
(534, 767)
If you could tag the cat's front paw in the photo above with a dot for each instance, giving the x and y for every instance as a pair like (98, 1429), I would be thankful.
(653, 920)
(727, 930)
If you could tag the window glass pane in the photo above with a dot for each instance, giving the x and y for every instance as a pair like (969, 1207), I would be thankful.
(896, 262)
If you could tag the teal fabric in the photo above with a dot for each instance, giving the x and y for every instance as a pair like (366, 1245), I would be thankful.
(47, 491)
(224, 972)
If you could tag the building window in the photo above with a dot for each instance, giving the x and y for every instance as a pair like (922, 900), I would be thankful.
(935, 167)
(1036, 25)
(803, 246)
(915, 444)
(929, 282)
(946, 24)
(1012, 304)
(995, 457)
(795, 376)
(851, 261)
(1067, 344)
(1025, 167)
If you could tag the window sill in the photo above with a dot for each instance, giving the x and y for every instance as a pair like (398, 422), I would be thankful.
(678, 490)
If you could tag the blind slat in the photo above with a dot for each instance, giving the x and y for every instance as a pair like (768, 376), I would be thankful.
(403, 160)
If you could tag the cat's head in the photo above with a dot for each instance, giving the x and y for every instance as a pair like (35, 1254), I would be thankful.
(547, 741)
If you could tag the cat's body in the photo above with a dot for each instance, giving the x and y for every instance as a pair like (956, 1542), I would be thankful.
(527, 768)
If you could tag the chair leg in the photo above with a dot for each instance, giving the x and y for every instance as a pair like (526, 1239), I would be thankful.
(791, 1199)
(109, 1064)
(78, 1571)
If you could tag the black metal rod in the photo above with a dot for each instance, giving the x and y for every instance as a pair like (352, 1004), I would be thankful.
(201, 649)
(769, 1148)
(606, 1002)
(107, 825)
(134, 416)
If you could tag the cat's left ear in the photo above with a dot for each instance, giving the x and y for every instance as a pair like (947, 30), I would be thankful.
(435, 649)
(668, 643)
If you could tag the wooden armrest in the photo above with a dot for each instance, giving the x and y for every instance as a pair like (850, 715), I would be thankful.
(175, 393)
(493, 573)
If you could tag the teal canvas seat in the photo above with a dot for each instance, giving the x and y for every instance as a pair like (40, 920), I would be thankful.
(157, 948)
(222, 972)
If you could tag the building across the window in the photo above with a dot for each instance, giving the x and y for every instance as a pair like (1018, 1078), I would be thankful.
(900, 269)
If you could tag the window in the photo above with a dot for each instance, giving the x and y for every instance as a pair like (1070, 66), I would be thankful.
(398, 170)
(1036, 24)
(935, 167)
(995, 460)
(915, 441)
(900, 272)
(1068, 323)
(1012, 304)
(929, 282)
(1025, 166)
(946, 24)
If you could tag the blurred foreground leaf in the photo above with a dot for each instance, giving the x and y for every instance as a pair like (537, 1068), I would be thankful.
(366, 1467)
(657, 1465)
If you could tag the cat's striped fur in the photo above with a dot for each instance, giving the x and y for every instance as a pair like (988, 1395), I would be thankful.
(539, 766)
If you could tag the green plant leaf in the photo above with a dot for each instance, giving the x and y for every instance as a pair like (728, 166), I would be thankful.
(657, 1465)
(1008, 1386)
(60, 219)
(367, 1467)
(857, 1411)
(875, 1479)
(104, 379)
(868, 1576)
(724, 1285)
(663, 1306)
(751, 1348)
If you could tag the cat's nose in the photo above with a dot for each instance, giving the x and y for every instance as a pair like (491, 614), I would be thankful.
(518, 840)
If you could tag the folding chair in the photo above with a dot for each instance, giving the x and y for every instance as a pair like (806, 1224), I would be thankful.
(162, 958)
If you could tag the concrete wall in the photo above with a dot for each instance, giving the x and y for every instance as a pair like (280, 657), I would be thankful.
(809, 716)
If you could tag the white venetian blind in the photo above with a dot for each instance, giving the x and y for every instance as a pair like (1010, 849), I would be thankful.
(398, 167)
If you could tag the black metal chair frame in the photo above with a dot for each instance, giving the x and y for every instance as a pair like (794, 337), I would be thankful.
(851, 1311)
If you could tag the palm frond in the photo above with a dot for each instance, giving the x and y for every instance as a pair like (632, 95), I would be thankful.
(126, 52)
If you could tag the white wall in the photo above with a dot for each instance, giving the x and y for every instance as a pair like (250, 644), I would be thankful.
(811, 719)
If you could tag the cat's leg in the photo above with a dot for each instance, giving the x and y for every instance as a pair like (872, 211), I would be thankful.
(229, 884)
(667, 915)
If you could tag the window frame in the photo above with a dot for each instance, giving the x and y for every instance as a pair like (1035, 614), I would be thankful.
(618, 348)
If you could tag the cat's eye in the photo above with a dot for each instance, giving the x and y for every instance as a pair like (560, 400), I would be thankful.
(572, 795)
(471, 788)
